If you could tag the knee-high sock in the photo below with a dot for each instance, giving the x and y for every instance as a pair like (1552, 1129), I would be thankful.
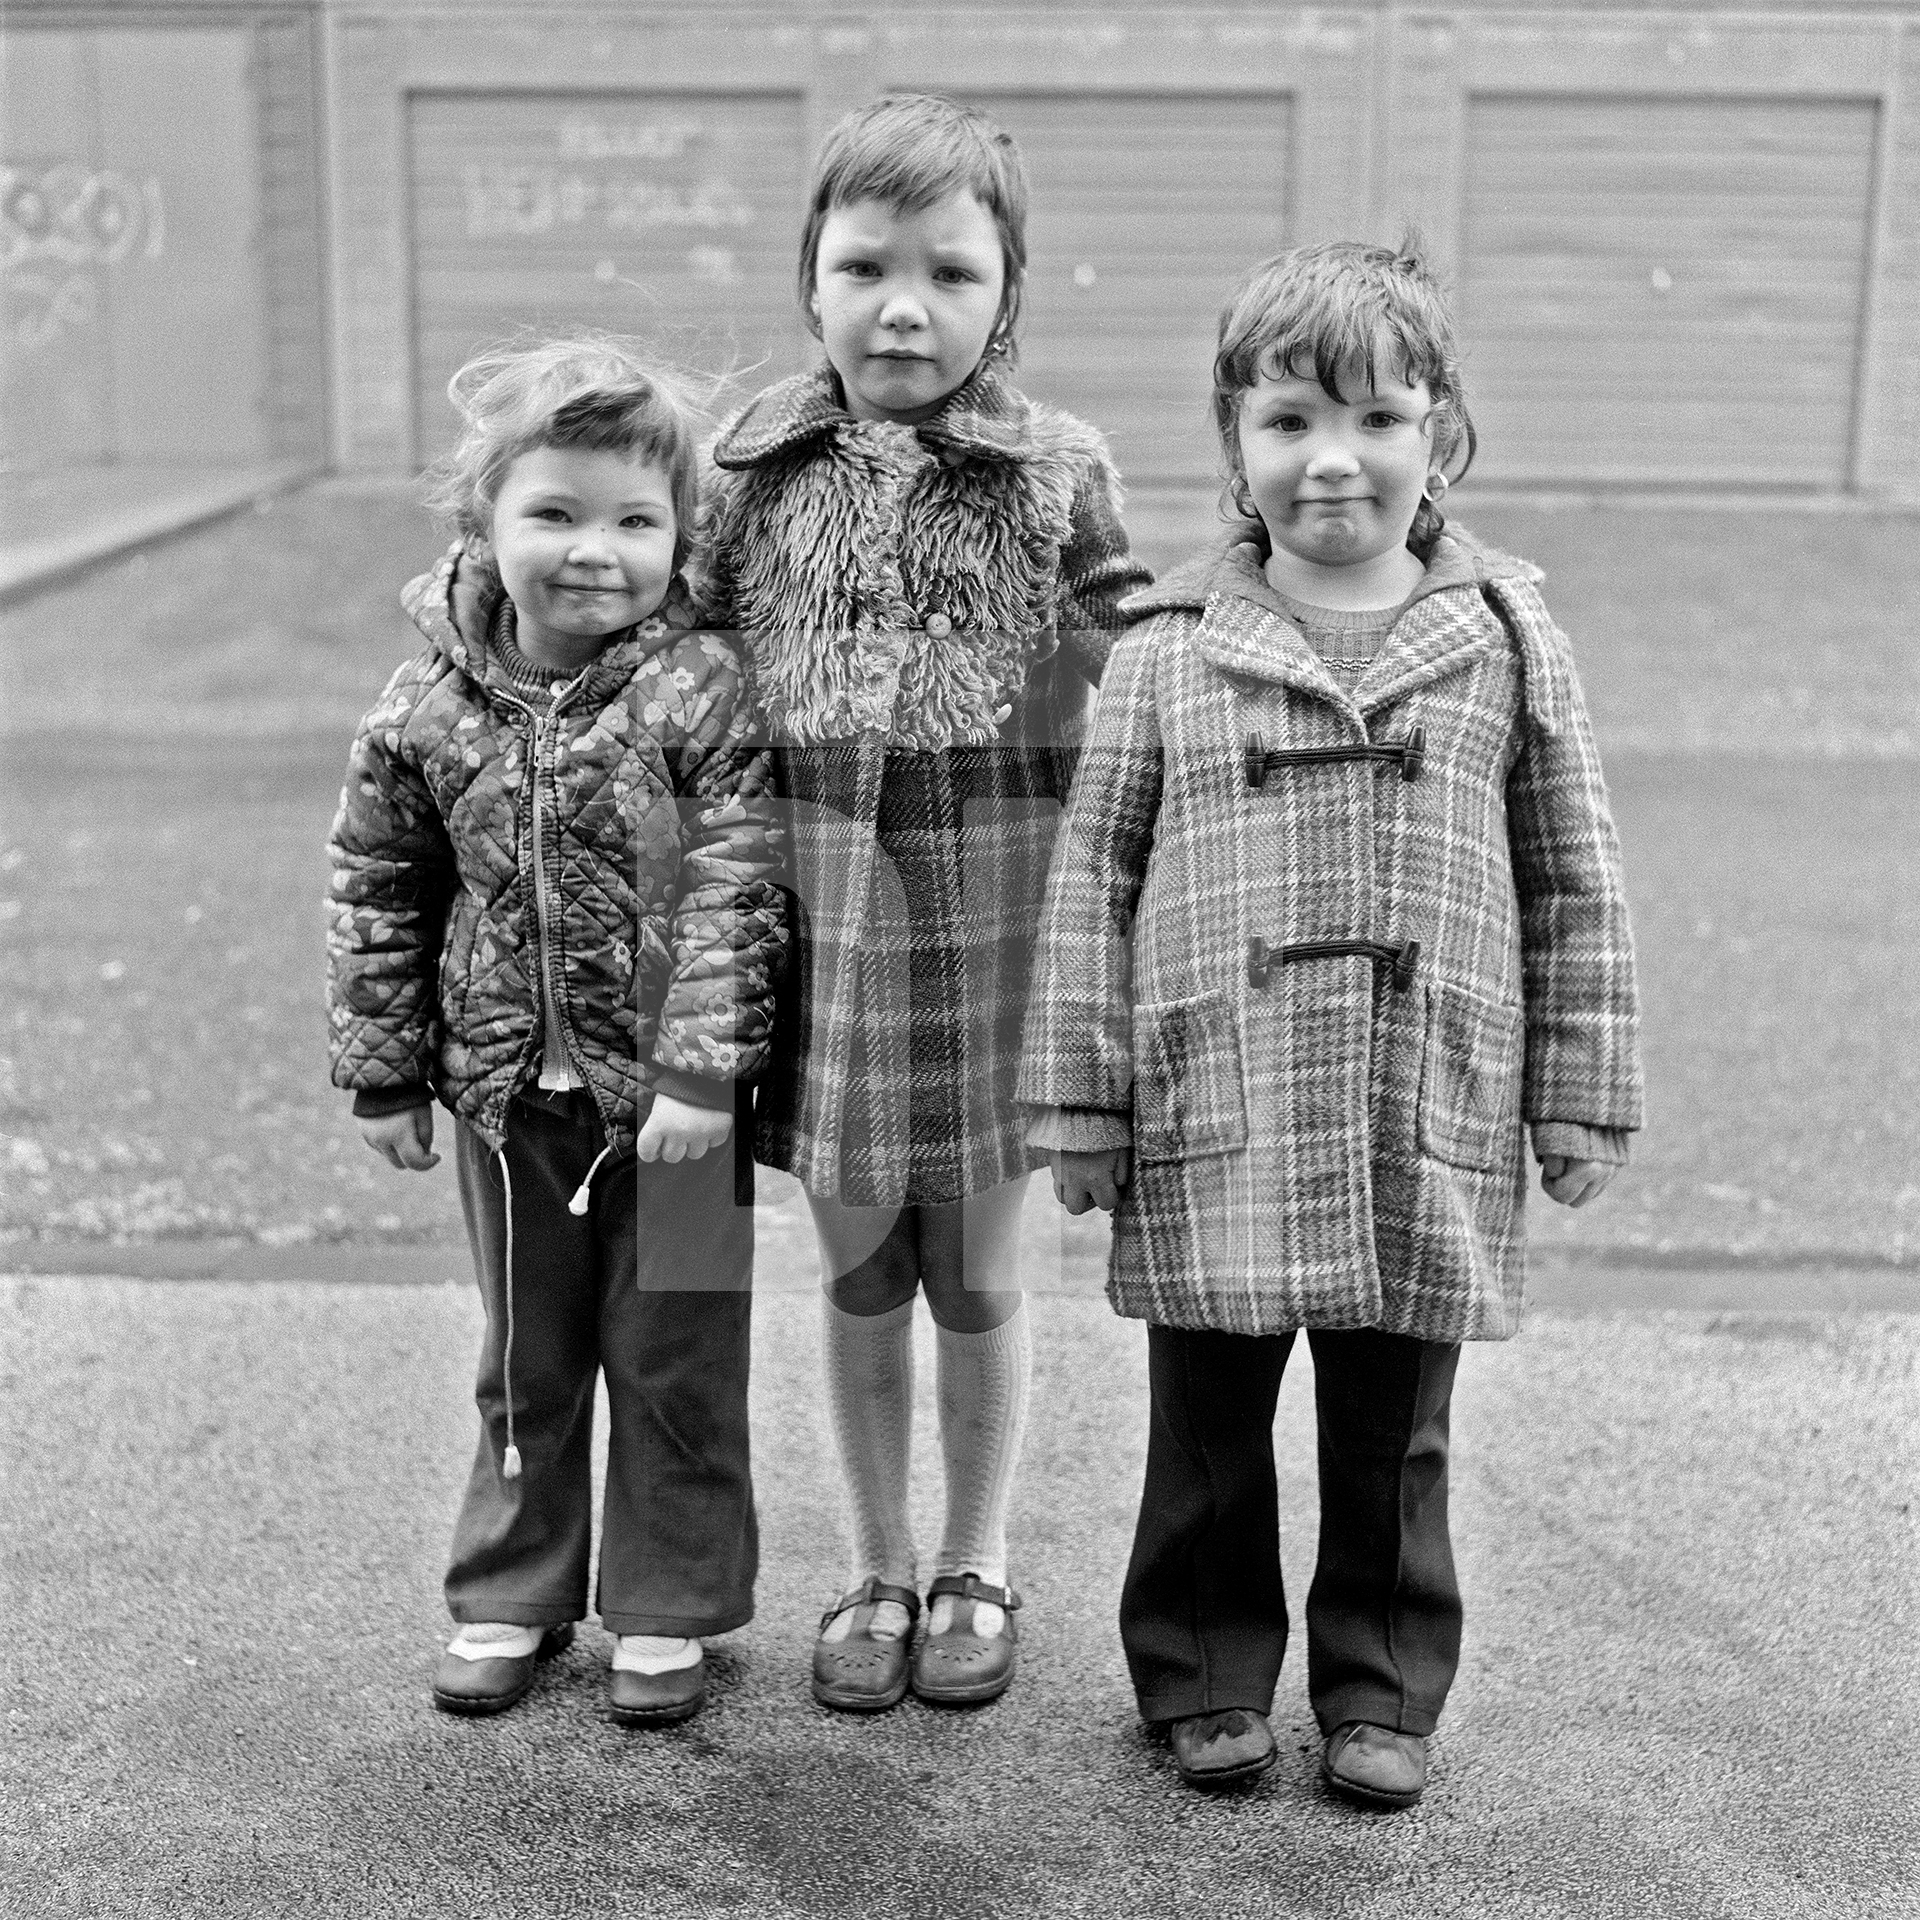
(984, 1380)
(869, 1367)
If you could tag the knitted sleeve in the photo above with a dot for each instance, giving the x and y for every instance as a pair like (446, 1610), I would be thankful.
(1610, 1146)
(1077, 1130)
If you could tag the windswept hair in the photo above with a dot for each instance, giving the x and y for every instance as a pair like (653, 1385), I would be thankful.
(1330, 309)
(910, 151)
(591, 390)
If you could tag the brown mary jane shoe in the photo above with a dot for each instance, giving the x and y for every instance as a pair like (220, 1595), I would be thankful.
(862, 1673)
(964, 1667)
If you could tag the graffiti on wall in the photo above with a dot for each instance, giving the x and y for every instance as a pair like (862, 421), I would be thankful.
(649, 179)
(61, 228)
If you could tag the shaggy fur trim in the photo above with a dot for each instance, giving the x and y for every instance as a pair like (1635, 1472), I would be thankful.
(851, 544)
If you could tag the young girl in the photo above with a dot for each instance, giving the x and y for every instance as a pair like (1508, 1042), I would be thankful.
(553, 907)
(1337, 908)
(927, 568)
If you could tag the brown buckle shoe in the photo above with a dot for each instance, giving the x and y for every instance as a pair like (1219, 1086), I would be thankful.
(1224, 1749)
(492, 1686)
(862, 1674)
(963, 1667)
(1375, 1765)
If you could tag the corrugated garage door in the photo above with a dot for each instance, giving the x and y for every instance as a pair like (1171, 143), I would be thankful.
(1146, 209)
(673, 217)
(1665, 290)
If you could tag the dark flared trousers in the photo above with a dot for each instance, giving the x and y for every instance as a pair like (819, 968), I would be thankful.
(1203, 1614)
(653, 1286)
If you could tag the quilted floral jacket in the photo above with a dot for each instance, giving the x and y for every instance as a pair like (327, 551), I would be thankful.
(1327, 954)
(655, 837)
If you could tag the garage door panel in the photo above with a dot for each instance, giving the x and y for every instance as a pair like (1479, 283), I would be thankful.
(1145, 211)
(672, 217)
(1665, 290)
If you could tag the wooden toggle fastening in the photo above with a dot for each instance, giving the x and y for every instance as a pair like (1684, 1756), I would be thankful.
(1410, 753)
(1262, 959)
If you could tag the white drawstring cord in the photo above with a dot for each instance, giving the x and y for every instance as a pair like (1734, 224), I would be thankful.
(510, 1460)
(582, 1199)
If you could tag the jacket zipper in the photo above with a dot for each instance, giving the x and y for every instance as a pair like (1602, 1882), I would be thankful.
(542, 912)
(542, 907)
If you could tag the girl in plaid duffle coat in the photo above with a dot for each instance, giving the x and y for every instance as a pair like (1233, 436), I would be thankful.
(927, 570)
(1336, 915)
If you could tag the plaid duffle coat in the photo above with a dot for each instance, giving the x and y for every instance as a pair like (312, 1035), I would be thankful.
(923, 609)
(1335, 1138)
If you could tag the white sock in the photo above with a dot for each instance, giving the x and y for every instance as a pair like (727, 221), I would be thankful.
(495, 1640)
(869, 1368)
(654, 1653)
(985, 1381)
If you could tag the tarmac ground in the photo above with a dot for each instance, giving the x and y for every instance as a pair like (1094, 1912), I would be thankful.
(1687, 1543)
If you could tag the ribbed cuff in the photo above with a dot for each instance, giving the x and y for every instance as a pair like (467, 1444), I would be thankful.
(1078, 1130)
(376, 1103)
(694, 1089)
(1570, 1140)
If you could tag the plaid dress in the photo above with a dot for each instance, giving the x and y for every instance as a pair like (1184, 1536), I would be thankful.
(923, 610)
(1325, 991)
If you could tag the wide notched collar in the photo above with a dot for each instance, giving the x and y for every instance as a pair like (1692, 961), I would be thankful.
(984, 417)
(1246, 630)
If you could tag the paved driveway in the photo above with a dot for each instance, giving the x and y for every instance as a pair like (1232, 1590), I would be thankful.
(1687, 1542)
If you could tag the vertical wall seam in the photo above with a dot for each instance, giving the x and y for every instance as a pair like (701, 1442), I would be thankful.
(1866, 354)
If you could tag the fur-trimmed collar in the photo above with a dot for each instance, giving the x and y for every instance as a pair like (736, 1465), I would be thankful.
(982, 416)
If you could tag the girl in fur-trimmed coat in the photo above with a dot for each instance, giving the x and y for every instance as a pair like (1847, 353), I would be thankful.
(927, 568)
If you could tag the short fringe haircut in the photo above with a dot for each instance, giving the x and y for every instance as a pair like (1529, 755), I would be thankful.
(910, 151)
(1330, 308)
(588, 390)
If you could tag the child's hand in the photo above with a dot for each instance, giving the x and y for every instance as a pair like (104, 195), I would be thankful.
(403, 1139)
(678, 1130)
(1083, 1180)
(1574, 1182)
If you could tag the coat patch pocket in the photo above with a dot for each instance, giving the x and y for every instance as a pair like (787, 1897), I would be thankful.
(1189, 1094)
(1469, 1077)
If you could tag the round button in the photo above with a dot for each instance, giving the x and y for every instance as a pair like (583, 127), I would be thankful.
(938, 625)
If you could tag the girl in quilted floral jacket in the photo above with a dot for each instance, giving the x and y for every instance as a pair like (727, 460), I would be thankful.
(1337, 919)
(927, 567)
(553, 907)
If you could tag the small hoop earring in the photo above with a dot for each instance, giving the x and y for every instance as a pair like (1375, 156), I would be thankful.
(1436, 486)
